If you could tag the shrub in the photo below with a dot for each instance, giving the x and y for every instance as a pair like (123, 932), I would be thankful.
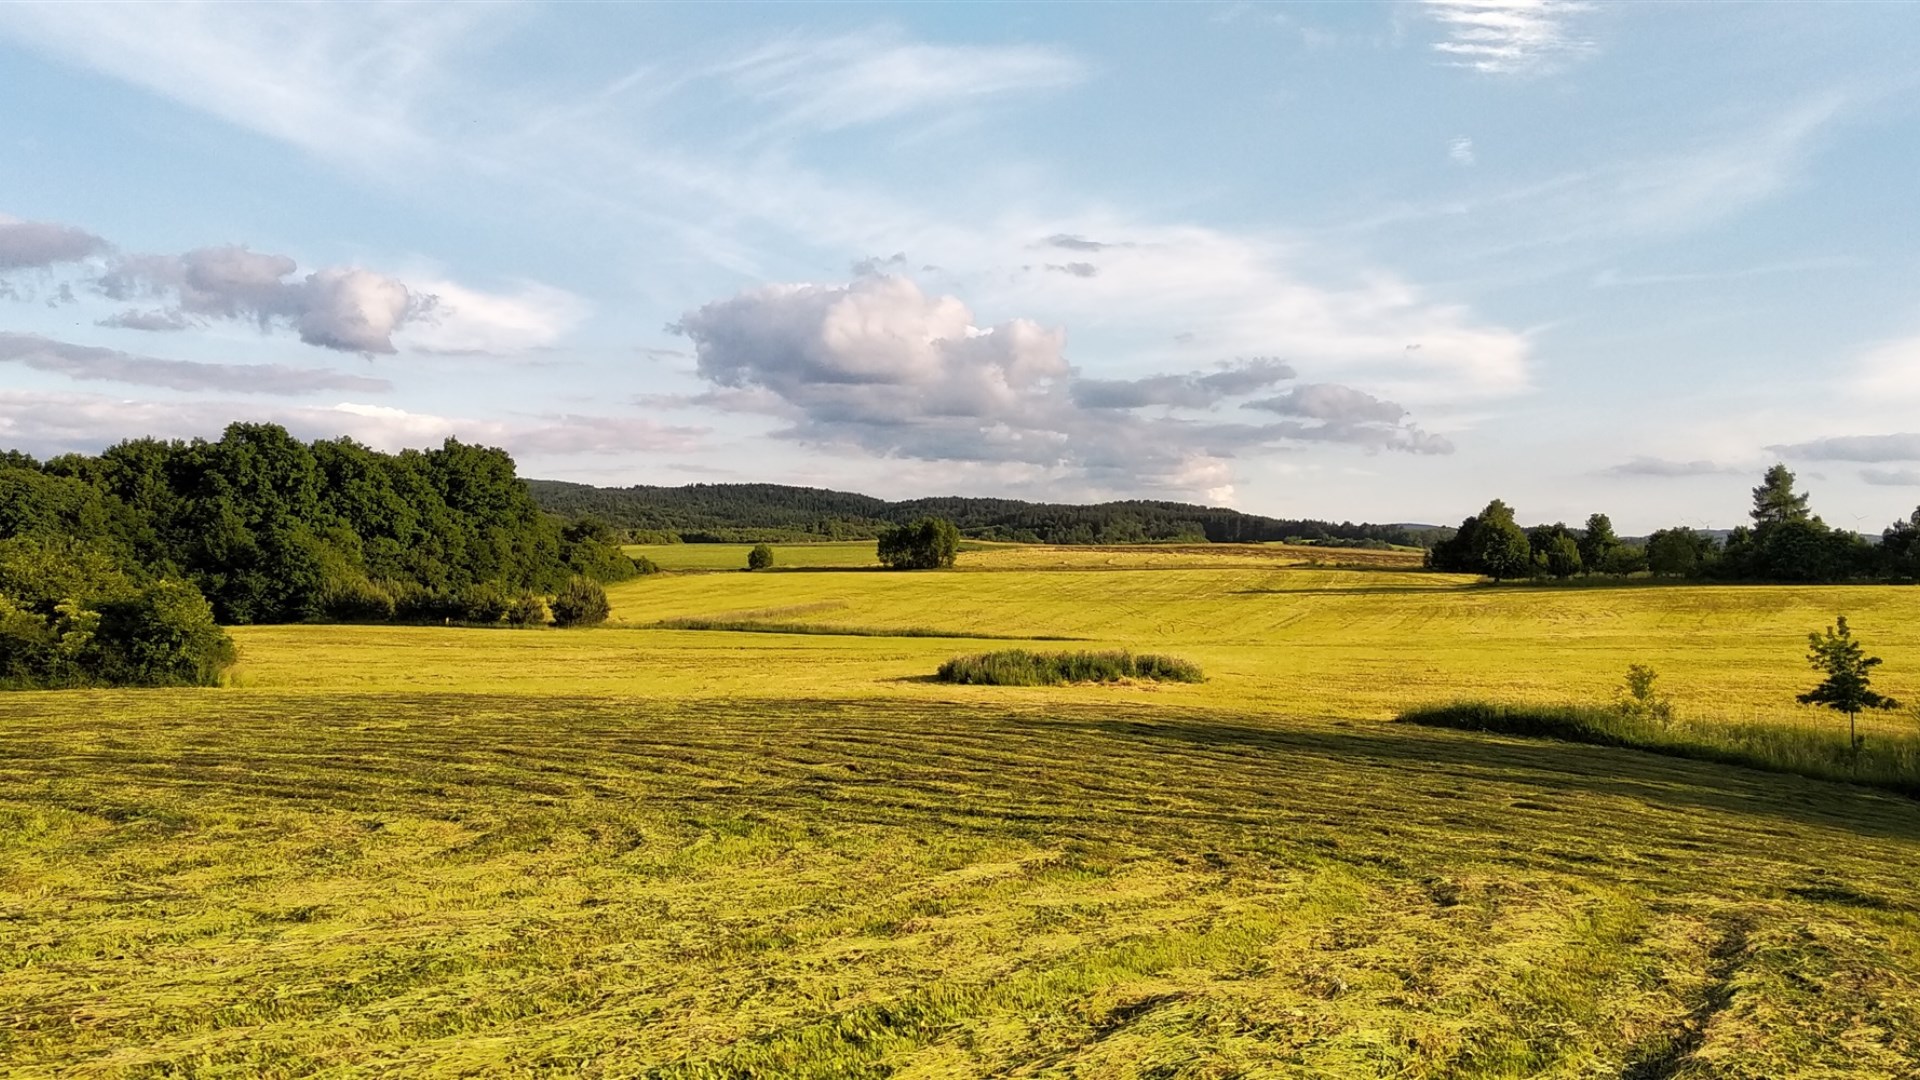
(526, 610)
(927, 544)
(483, 604)
(1019, 667)
(760, 558)
(582, 602)
(355, 599)
(1636, 698)
(164, 635)
(161, 634)
(423, 604)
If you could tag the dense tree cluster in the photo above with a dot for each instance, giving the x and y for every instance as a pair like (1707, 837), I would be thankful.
(1787, 542)
(710, 513)
(71, 615)
(929, 543)
(261, 527)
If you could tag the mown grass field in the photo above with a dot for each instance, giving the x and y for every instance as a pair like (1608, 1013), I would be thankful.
(416, 851)
(734, 556)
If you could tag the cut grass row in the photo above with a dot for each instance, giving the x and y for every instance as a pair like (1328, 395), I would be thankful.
(262, 885)
(757, 626)
(1883, 760)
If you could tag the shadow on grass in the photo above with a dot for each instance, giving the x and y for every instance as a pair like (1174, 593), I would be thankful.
(1675, 783)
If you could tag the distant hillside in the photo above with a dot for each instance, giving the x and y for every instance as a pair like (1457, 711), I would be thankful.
(734, 512)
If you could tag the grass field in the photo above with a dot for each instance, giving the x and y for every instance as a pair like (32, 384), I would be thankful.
(734, 556)
(420, 851)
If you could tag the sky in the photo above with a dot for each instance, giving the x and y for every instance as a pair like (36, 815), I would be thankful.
(1352, 261)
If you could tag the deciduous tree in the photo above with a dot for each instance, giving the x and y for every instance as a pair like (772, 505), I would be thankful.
(1848, 685)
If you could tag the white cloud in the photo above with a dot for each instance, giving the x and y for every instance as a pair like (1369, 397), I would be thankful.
(49, 423)
(1891, 477)
(880, 366)
(1868, 448)
(824, 84)
(89, 363)
(1889, 370)
(1662, 467)
(1509, 37)
(466, 320)
(32, 245)
(1460, 151)
(346, 84)
(345, 308)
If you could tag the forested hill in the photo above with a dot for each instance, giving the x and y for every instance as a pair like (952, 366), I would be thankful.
(724, 512)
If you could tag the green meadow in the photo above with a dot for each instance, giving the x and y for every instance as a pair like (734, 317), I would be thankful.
(781, 849)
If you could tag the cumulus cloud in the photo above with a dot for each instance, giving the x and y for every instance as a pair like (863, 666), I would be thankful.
(1343, 414)
(1866, 448)
(1509, 37)
(879, 365)
(1198, 390)
(1652, 466)
(38, 245)
(344, 308)
(89, 363)
(1327, 401)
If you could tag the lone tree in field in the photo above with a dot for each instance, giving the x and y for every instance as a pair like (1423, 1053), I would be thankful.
(1845, 689)
(581, 603)
(1504, 550)
(1775, 502)
(760, 557)
(927, 544)
(1598, 543)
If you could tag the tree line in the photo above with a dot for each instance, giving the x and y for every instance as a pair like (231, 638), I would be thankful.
(735, 513)
(260, 527)
(1786, 542)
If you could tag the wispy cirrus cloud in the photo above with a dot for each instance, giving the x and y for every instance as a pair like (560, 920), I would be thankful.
(1510, 37)
(1891, 477)
(92, 364)
(347, 87)
(823, 84)
(46, 423)
(1664, 467)
(1863, 448)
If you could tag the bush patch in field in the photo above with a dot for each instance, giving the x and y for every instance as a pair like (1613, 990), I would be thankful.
(1019, 667)
(1891, 762)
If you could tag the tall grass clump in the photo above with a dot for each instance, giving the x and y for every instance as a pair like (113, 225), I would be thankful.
(1019, 667)
(1885, 761)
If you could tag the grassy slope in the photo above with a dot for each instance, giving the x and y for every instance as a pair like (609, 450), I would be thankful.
(421, 851)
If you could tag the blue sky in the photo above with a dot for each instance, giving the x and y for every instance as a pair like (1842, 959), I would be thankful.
(1375, 262)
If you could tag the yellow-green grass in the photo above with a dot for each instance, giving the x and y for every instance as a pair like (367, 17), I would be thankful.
(428, 851)
(834, 554)
(270, 884)
(1292, 642)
